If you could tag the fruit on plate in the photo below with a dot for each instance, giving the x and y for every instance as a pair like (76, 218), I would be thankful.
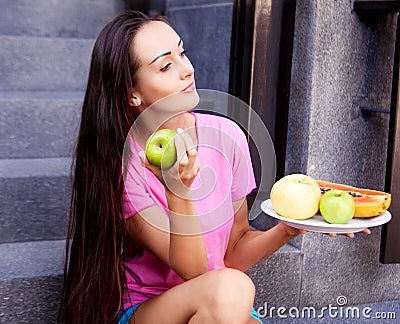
(337, 206)
(368, 203)
(296, 196)
(160, 148)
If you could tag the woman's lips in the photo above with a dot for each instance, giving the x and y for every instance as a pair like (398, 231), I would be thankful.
(191, 87)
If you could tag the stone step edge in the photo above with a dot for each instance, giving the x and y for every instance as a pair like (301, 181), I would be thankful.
(37, 167)
(41, 95)
(47, 38)
(33, 259)
(289, 248)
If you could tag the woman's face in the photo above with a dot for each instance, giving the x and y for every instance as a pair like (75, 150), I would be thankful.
(164, 67)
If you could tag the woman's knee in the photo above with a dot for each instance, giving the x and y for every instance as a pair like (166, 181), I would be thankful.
(236, 283)
(231, 288)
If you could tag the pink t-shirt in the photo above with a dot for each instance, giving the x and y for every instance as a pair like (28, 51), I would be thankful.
(226, 175)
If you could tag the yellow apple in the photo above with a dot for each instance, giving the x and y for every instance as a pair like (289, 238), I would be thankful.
(296, 196)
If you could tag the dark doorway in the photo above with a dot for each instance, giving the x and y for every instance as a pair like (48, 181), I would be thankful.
(261, 62)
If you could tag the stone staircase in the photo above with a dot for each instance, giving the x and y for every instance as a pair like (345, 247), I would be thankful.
(45, 48)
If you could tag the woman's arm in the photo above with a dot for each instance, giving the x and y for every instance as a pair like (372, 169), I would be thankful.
(179, 242)
(246, 247)
(185, 254)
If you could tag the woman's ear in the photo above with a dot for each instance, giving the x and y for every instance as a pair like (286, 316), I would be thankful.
(135, 101)
(134, 98)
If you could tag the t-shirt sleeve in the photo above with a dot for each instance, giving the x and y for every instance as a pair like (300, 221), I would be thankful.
(243, 181)
(136, 195)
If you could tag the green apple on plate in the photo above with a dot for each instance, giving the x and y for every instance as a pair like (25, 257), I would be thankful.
(337, 206)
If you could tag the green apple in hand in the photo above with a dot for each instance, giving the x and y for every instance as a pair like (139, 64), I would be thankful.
(337, 206)
(160, 148)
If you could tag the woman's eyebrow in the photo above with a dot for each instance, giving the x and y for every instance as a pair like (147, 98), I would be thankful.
(166, 53)
(159, 56)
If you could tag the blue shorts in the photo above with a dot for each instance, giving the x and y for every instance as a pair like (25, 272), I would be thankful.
(125, 315)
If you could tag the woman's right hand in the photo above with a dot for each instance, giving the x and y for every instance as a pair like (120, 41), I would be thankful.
(178, 178)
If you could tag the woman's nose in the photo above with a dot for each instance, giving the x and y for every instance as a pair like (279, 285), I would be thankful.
(187, 69)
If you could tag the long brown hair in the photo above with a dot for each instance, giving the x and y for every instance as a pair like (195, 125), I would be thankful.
(93, 276)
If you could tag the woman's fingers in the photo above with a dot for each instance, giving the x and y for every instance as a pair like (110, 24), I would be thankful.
(181, 156)
(146, 163)
(351, 235)
(190, 150)
(144, 160)
(187, 139)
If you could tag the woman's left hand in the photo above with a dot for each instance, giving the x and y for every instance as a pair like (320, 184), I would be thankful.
(351, 235)
(291, 231)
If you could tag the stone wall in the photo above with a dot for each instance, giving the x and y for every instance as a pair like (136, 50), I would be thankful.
(341, 62)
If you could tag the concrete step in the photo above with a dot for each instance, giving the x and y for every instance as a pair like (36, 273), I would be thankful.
(44, 64)
(30, 281)
(57, 18)
(38, 124)
(278, 278)
(33, 300)
(34, 199)
(24, 260)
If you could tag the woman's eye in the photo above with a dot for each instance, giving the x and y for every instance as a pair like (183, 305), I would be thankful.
(183, 53)
(165, 67)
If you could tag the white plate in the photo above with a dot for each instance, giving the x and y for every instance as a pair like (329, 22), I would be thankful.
(318, 224)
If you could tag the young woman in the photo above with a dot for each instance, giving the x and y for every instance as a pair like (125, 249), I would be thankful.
(145, 245)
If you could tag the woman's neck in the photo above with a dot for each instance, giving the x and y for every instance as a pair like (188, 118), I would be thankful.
(144, 127)
(183, 120)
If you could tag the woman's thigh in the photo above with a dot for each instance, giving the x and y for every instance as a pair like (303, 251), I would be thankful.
(217, 296)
